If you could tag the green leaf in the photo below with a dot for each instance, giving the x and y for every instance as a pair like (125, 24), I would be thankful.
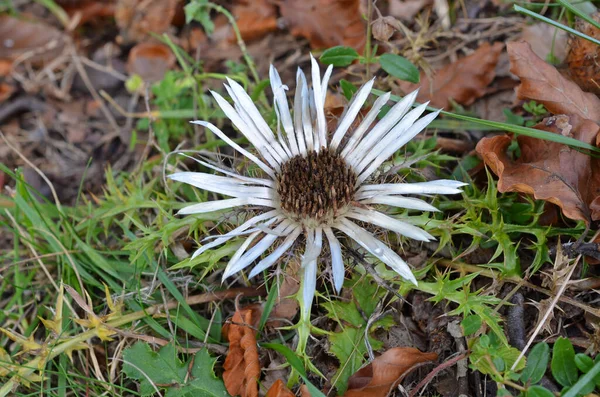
(339, 56)
(198, 10)
(348, 345)
(537, 363)
(164, 368)
(399, 67)
(471, 324)
(563, 365)
(583, 384)
(539, 391)
(583, 362)
(203, 382)
(146, 365)
(348, 88)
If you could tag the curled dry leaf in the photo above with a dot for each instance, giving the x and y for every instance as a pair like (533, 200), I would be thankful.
(584, 56)
(541, 82)
(279, 390)
(29, 40)
(242, 368)
(150, 60)
(462, 81)
(382, 375)
(550, 171)
(137, 18)
(326, 23)
(255, 18)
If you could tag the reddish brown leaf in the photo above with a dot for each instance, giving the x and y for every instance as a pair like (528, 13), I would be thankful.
(29, 40)
(255, 18)
(150, 60)
(242, 368)
(326, 23)
(380, 377)
(541, 82)
(137, 18)
(550, 171)
(279, 390)
(462, 81)
(86, 11)
(583, 57)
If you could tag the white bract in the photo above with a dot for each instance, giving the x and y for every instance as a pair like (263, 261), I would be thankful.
(315, 183)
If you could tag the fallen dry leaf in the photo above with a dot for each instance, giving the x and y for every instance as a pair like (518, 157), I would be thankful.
(584, 56)
(462, 81)
(279, 390)
(550, 171)
(86, 11)
(545, 39)
(255, 18)
(150, 61)
(382, 375)
(326, 23)
(137, 18)
(541, 82)
(406, 10)
(242, 368)
(30, 40)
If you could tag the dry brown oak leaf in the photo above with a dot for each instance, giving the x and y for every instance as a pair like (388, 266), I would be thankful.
(242, 368)
(583, 58)
(279, 390)
(382, 375)
(463, 81)
(550, 171)
(542, 83)
(255, 18)
(326, 23)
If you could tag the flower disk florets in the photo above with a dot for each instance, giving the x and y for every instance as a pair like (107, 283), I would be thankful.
(315, 188)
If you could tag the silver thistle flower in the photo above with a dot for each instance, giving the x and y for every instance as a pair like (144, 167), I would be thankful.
(315, 183)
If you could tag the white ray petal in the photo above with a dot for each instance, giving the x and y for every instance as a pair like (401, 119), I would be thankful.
(441, 186)
(248, 129)
(271, 148)
(325, 82)
(352, 111)
(313, 251)
(298, 128)
(358, 133)
(309, 284)
(337, 263)
(410, 203)
(245, 260)
(398, 136)
(240, 251)
(417, 127)
(313, 119)
(277, 253)
(307, 125)
(243, 178)
(246, 105)
(282, 105)
(223, 185)
(217, 205)
(238, 231)
(319, 102)
(393, 224)
(237, 147)
(382, 127)
(382, 251)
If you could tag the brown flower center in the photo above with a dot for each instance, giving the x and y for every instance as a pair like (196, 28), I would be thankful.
(316, 186)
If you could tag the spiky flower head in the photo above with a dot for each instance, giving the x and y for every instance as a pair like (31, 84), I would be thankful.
(316, 184)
